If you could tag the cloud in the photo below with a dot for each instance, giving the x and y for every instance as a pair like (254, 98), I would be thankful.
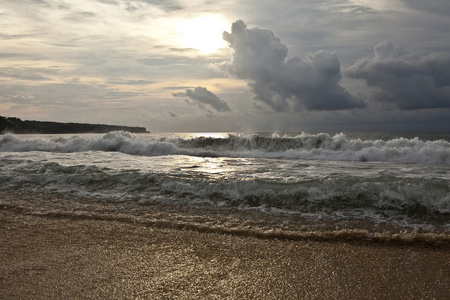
(129, 82)
(284, 84)
(167, 5)
(434, 6)
(70, 94)
(33, 74)
(201, 96)
(182, 50)
(172, 114)
(405, 81)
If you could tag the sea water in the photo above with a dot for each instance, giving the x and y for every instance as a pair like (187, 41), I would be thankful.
(295, 185)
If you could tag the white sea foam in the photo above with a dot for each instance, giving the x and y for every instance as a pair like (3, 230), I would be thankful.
(396, 181)
(304, 146)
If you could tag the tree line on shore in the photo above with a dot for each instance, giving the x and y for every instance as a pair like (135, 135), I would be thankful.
(16, 125)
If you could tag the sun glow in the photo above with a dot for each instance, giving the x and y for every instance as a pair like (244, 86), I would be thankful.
(202, 33)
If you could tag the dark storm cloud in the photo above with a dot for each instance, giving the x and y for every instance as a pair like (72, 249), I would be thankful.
(202, 96)
(403, 80)
(284, 84)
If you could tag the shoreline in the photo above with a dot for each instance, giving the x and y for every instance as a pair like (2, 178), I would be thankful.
(56, 258)
(54, 206)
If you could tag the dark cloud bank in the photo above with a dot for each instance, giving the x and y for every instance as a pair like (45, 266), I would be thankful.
(283, 83)
(405, 81)
(398, 79)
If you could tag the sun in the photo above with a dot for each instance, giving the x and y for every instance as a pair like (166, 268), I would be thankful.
(202, 33)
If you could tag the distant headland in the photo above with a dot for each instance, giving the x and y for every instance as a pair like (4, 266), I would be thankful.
(16, 125)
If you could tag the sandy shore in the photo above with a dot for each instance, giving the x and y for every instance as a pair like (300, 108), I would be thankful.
(61, 258)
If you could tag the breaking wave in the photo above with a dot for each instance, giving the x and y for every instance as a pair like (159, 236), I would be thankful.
(354, 183)
(381, 199)
(320, 146)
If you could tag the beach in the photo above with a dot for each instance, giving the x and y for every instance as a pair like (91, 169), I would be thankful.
(57, 257)
(224, 216)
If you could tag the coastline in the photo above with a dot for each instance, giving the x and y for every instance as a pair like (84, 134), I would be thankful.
(17, 126)
(56, 258)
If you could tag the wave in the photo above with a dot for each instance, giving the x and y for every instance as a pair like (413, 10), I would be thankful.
(383, 198)
(320, 146)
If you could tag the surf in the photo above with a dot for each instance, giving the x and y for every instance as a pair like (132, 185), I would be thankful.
(321, 146)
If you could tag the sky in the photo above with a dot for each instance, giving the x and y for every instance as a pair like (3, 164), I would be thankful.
(238, 66)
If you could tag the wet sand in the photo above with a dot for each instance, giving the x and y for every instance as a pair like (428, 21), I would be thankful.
(66, 258)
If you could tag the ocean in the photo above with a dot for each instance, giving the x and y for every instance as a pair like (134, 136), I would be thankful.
(371, 187)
